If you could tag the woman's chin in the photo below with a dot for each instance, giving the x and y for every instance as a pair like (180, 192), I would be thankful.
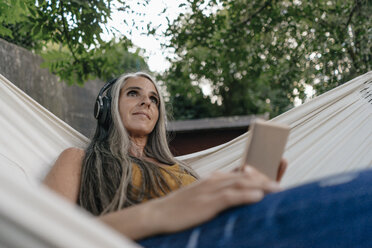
(139, 133)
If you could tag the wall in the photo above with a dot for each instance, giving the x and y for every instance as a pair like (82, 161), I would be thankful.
(194, 141)
(73, 104)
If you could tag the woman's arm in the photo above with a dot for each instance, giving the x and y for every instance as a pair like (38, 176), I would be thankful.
(178, 210)
(192, 205)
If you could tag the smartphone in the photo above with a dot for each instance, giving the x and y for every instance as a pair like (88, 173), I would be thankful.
(265, 147)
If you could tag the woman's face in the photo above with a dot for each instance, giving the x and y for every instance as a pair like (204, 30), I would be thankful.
(139, 106)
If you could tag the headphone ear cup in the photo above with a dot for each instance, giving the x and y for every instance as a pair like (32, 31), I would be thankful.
(105, 111)
(102, 107)
(98, 109)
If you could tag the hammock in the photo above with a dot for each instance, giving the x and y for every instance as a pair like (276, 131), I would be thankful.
(330, 134)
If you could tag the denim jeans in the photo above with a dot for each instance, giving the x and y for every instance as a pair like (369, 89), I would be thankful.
(333, 212)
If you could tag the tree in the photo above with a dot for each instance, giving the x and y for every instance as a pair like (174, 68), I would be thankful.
(259, 56)
(67, 34)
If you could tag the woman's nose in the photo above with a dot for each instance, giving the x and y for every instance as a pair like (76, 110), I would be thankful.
(145, 101)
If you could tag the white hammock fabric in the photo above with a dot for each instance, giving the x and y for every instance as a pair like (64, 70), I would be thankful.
(330, 134)
(31, 215)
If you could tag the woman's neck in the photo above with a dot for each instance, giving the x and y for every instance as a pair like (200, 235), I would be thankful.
(137, 146)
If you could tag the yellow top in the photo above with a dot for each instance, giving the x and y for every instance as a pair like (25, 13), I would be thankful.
(185, 178)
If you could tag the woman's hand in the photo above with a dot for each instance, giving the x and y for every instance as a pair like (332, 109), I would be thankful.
(203, 200)
(281, 169)
(194, 204)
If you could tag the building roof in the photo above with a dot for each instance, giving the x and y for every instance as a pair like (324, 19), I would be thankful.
(229, 122)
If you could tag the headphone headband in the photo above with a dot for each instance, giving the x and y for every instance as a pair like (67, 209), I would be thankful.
(106, 86)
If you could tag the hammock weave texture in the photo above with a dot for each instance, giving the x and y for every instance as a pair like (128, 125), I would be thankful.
(329, 134)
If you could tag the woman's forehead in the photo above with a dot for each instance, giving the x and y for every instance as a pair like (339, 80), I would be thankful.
(140, 82)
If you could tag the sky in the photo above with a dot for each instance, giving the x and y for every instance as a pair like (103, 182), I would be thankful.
(155, 54)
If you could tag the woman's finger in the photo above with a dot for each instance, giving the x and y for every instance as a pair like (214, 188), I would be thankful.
(204, 199)
(255, 174)
(231, 198)
(249, 179)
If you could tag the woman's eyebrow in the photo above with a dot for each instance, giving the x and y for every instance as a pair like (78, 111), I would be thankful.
(139, 88)
(133, 88)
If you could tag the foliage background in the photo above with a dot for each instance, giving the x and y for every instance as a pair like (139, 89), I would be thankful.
(67, 34)
(259, 56)
(230, 57)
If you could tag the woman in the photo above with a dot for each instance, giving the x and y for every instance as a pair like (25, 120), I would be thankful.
(127, 167)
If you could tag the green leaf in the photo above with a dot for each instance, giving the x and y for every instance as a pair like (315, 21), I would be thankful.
(32, 10)
(5, 32)
(36, 30)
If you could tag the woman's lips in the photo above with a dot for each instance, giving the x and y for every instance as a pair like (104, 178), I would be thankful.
(142, 113)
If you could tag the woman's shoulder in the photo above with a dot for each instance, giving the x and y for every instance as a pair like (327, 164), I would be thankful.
(69, 157)
(72, 152)
(70, 160)
(64, 177)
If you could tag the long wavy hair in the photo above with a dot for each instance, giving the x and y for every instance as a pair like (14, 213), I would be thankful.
(106, 179)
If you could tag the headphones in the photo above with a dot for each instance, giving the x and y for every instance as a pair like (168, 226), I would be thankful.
(102, 107)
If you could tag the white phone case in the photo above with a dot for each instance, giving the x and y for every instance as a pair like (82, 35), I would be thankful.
(265, 147)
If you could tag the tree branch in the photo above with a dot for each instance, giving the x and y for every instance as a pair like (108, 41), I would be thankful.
(65, 32)
(357, 4)
(266, 4)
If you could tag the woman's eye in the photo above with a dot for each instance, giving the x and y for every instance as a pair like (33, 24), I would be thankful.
(155, 100)
(132, 93)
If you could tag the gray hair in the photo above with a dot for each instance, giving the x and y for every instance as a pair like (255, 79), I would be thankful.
(106, 179)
